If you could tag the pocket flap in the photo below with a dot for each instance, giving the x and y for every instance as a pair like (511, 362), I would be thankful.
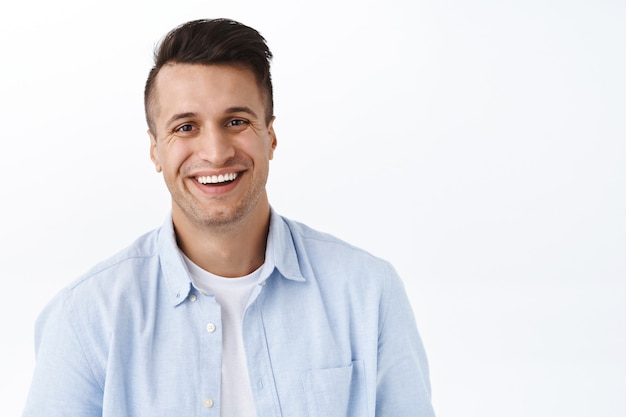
(328, 391)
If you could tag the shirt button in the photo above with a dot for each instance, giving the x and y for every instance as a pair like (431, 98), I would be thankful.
(210, 327)
(208, 403)
(192, 298)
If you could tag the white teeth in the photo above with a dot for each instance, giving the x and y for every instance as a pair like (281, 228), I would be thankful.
(217, 179)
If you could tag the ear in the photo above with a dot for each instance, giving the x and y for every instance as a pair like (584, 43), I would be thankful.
(272, 135)
(153, 152)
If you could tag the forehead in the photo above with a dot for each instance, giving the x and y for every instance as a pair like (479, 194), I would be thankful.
(194, 87)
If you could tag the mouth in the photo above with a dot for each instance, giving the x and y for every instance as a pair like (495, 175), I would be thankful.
(222, 179)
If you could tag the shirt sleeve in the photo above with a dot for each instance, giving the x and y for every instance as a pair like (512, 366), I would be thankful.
(403, 385)
(63, 383)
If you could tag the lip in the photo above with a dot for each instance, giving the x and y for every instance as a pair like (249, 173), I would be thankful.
(208, 173)
(216, 189)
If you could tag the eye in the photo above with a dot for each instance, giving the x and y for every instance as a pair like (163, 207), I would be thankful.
(237, 122)
(185, 128)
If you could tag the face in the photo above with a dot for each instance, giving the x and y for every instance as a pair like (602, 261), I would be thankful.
(212, 143)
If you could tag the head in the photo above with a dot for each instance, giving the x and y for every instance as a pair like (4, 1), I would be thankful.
(209, 109)
(210, 42)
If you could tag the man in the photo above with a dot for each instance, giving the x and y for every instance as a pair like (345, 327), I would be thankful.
(228, 309)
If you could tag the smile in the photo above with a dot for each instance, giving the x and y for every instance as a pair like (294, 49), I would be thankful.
(218, 179)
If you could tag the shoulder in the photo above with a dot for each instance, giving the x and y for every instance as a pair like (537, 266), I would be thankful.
(312, 237)
(336, 257)
(123, 265)
(109, 287)
(116, 281)
(323, 241)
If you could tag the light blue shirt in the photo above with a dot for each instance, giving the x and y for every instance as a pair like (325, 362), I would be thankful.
(328, 332)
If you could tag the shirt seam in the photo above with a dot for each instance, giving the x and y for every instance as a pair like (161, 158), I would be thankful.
(70, 306)
(97, 270)
(384, 301)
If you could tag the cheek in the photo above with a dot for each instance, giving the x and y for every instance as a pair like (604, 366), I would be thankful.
(173, 157)
(262, 153)
(266, 148)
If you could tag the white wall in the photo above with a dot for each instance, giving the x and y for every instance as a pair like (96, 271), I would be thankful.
(478, 145)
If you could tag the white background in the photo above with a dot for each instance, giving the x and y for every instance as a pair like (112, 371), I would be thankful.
(478, 145)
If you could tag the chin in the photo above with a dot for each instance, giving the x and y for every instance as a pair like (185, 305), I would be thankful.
(220, 217)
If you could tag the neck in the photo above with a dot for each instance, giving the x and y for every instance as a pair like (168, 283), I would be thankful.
(232, 250)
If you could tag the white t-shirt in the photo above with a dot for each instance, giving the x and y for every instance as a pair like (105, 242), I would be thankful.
(232, 294)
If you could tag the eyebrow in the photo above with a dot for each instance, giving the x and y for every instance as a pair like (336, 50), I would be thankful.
(241, 109)
(181, 116)
(230, 110)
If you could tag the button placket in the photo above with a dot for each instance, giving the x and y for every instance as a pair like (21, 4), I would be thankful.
(208, 314)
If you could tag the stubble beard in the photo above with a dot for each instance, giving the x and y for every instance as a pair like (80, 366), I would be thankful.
(215, 216)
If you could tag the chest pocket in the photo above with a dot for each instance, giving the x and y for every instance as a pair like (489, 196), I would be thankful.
(336, 392)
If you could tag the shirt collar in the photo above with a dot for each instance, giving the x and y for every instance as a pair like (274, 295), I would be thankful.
(280, 254)
(174, 270)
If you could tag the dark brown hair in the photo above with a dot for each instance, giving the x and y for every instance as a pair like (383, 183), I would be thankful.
(213, 41)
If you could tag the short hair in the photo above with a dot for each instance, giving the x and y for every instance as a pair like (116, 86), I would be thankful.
(213, 41)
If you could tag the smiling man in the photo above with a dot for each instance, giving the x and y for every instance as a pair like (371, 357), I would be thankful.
(228, 309)
(213, 142)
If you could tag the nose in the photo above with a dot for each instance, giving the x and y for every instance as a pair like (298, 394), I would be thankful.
(214, 146)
